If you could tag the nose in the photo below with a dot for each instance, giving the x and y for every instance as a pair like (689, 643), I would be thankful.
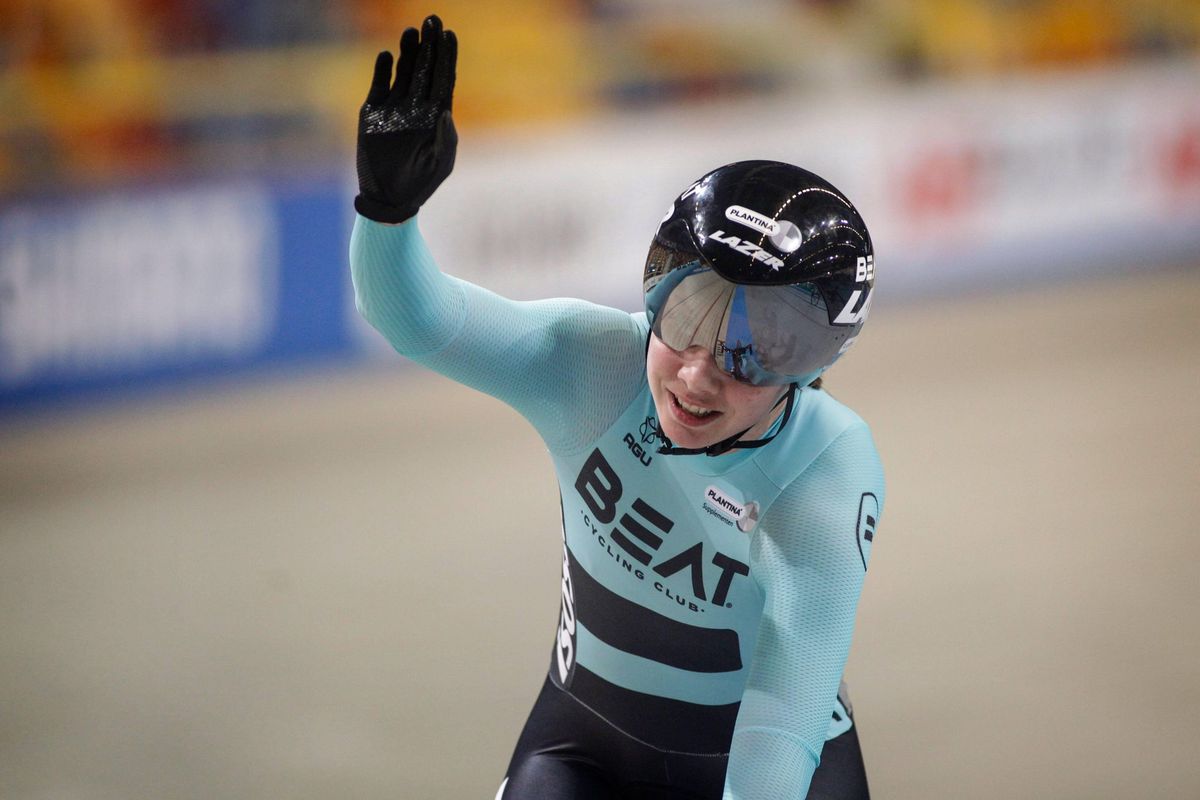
(699, 372)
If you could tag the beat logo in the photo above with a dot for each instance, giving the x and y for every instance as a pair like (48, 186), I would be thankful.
(858, 306)
(601, 490)
(868, 516)
(565, 651)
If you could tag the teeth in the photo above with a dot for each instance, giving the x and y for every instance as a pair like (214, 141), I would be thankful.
(697, 410)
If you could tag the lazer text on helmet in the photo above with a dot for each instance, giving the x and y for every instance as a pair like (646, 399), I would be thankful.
(749, 248)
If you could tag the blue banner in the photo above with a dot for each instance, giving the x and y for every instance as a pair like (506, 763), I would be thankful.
(120, 291)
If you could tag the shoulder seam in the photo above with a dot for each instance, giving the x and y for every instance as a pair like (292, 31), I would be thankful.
(856, 422)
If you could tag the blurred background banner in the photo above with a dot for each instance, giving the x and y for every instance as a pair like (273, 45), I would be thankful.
(141, 287)
(175, 177)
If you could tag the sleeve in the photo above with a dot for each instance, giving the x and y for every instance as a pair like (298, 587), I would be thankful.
(567, 366)
(809, 555)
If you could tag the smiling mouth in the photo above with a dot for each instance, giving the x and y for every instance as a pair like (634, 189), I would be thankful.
(692, 415)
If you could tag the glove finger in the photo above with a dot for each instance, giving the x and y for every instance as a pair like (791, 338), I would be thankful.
(431, 32)
(409, 44)
(381, 79)
(445, 72)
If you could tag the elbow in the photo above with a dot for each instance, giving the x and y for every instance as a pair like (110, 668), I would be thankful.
(414, 323)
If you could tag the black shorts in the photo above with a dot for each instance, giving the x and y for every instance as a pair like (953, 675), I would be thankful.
(567, 752)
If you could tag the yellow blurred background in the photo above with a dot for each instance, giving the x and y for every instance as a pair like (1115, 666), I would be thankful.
(99, 90)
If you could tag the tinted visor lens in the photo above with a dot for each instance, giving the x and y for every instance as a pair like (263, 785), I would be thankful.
(757, 334)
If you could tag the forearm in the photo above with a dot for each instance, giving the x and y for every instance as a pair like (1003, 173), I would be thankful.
(400, 290)
(539, 357)
(807, 558)
(768, 763)
(788, 703)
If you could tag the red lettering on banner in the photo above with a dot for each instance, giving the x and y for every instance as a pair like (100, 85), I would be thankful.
(941, 183)
(1180, 159)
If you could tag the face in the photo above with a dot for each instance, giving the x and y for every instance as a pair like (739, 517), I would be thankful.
(699, 404)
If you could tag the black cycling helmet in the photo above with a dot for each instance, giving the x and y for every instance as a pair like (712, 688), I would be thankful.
(766, 265)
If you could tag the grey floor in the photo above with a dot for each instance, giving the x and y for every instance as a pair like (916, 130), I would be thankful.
(345, 585)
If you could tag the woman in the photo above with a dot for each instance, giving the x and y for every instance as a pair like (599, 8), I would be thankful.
(718, 506)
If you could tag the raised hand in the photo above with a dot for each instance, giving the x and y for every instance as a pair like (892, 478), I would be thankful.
(406, 136)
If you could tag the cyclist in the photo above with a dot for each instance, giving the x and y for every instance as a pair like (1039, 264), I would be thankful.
(718, 505)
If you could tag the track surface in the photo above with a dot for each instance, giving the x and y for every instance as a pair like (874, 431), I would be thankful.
(345, 585)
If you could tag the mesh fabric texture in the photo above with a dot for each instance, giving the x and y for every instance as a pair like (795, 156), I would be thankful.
(805, 556)
(572, 368)
(466, 332)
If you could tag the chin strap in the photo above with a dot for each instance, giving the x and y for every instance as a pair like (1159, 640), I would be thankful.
(731, 443)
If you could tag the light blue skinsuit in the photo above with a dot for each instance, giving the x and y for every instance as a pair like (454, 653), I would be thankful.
(727, 586)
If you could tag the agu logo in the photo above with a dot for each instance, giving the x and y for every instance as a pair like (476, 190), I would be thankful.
(649, 432)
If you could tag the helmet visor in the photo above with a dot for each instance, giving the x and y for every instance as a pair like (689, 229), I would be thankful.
(758, 334)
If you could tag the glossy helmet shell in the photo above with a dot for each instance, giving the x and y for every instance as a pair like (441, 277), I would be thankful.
(766, 264)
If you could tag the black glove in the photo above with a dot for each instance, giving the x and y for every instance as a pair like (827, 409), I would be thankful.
(406, 137)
